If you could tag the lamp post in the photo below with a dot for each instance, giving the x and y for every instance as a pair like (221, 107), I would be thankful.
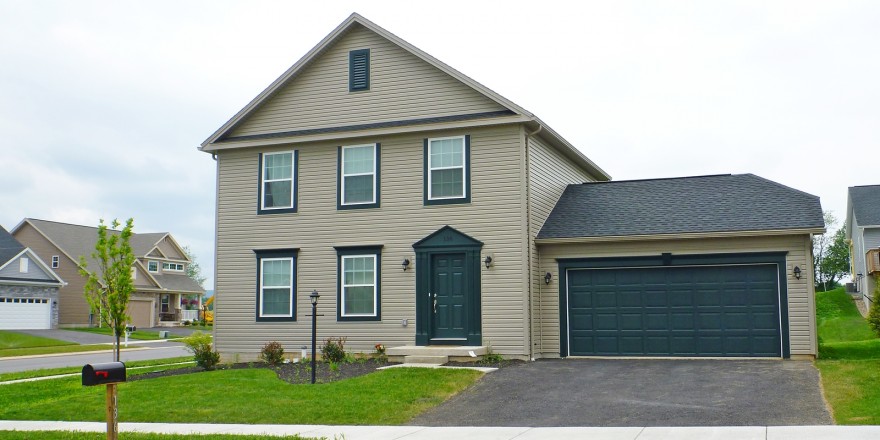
(314, 299)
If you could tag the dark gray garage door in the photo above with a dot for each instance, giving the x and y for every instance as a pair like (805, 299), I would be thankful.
(674, 311)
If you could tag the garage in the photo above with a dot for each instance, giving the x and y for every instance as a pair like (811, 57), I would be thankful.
(692, 311)
(25, 313)
(141, 313)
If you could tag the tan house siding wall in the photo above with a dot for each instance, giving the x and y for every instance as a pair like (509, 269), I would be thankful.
(170, 250)
(494, 217)
(402, 87)
(73, 310)
(801, 320)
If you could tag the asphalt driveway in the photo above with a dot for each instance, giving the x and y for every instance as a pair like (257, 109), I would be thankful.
(593, 392)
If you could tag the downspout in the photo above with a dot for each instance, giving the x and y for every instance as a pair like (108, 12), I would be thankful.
(530, 244)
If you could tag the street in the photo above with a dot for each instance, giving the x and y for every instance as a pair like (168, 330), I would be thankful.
(158, 350)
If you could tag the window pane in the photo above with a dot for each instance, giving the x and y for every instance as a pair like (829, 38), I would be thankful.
(276, 273)
(358, 270)
(447, 153)
(359, 300)
(278, 166)
(276, 302)
(358, 189)
(277, 194)
(358, 160)
(447, 183)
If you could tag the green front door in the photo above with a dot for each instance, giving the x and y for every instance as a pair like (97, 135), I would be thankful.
(448, 297)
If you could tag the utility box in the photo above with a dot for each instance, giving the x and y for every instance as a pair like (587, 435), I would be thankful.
(103, 374)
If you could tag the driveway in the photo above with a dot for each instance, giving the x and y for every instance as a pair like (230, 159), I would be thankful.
(594, 392)
(70, 336)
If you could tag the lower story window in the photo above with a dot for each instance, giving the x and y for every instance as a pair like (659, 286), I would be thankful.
(276, 285)
(359, 286)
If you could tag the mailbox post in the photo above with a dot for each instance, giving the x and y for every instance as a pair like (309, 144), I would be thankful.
(110, 374)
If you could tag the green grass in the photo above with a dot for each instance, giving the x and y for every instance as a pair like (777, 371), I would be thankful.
(137, 334)
(71, 435)
(849, 360)
(68, 370)
(54, 350)
(13, 340)
(252, 396)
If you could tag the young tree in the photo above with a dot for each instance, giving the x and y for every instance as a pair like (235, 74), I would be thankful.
(193, 270)
(835, 263)
(820, 247)
(108, 288)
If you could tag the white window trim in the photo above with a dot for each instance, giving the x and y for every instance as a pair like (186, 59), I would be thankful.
(463, 166)
(150, 270)
(56, 261)
(344, 175)
(263, 180)
(23, 264)
(375, 290)
(166, 266)
(289, 287)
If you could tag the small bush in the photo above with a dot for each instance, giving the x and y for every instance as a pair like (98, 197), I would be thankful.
(874, 312)
(272, 353)
(333, 350)
(200, 345)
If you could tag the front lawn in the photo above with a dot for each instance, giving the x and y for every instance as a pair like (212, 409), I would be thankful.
(4, 377)
(252, 396)
(849, 360)
(71, 435)
(55, 350)
(12, 340)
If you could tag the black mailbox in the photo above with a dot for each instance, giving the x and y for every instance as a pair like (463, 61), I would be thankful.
(130, 328)
(102, 374)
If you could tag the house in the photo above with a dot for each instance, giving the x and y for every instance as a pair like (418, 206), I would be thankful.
(863, 234)
(28, 288)
(433, 215)
(164, 295)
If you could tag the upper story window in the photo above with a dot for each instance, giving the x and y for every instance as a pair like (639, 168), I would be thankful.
(153, 266)
(173, 267)
(447, 170)
(276, 272)
(56, 261)
(277, 182)
(359, 70)
(358, 176)
(23, 264)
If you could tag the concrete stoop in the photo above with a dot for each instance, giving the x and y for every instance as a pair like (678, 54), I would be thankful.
(436, 354)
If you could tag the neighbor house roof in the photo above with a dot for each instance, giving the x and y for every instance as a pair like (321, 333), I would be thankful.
(543, 130)
(9, 246)
(866, 204)
(686, 205)
(177, 283)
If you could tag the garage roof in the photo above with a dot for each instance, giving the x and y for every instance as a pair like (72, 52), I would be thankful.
(684, 205)
(9, 246)
(866, 204)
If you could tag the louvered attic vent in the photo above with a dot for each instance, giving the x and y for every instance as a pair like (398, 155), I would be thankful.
(359, 70)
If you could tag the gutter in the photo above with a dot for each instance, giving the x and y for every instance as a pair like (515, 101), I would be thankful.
(673, 236)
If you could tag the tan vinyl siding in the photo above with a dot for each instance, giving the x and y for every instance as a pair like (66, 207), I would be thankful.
(494, 217)
(402, 87)
(73, 310)
(800, 292)
(170, 250)
(549, 174)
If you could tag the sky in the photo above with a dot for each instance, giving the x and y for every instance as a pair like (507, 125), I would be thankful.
(103, 104)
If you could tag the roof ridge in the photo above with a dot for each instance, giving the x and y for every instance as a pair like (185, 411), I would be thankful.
(658, 179)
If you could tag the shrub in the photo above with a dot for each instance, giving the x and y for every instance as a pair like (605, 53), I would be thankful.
(272, 353)
(874, 313)
(333, 350)
(200, 344)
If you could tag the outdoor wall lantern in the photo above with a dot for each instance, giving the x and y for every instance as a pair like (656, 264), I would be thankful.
(547, 277)
(488, 261)
(313, 297)
(797, 272)
(405, 264)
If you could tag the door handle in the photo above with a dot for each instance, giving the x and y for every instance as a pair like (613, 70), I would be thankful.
(435, 303)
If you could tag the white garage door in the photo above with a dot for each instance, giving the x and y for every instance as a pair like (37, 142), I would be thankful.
(24, 313)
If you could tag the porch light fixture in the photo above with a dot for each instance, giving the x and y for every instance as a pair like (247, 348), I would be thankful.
(488, 261)
(797, 272)
(547, 277)
(405, 264)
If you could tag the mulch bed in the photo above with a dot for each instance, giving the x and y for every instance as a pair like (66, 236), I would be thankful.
(295, 373)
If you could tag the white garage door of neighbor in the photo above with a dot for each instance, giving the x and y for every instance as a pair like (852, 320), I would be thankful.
(24, 313)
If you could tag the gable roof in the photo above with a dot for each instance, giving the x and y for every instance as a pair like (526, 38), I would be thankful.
(356, 19)
(685, 205)
(865, 204)
(9, 246)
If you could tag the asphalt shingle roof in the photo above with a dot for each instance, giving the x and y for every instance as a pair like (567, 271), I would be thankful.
(866, 204)
(9, 246)
(700, 204)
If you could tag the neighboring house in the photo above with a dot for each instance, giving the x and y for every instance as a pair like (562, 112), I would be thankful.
(164, 295)
(863, 233)
(28, 288)
(417, 203)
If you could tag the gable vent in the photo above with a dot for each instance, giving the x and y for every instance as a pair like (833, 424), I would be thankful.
(359, 70)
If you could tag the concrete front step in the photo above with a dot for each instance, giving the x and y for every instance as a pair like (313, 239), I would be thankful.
(433, 360)
(459, 351)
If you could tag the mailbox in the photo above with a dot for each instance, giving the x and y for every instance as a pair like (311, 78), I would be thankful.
(102, 374)
(130, 328)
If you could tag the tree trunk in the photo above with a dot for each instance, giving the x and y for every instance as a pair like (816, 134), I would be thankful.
(116, 351)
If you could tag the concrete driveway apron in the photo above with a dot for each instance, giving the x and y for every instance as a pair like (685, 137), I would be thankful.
(599, 392)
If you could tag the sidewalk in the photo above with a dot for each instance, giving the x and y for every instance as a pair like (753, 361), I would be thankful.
(474, 433)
